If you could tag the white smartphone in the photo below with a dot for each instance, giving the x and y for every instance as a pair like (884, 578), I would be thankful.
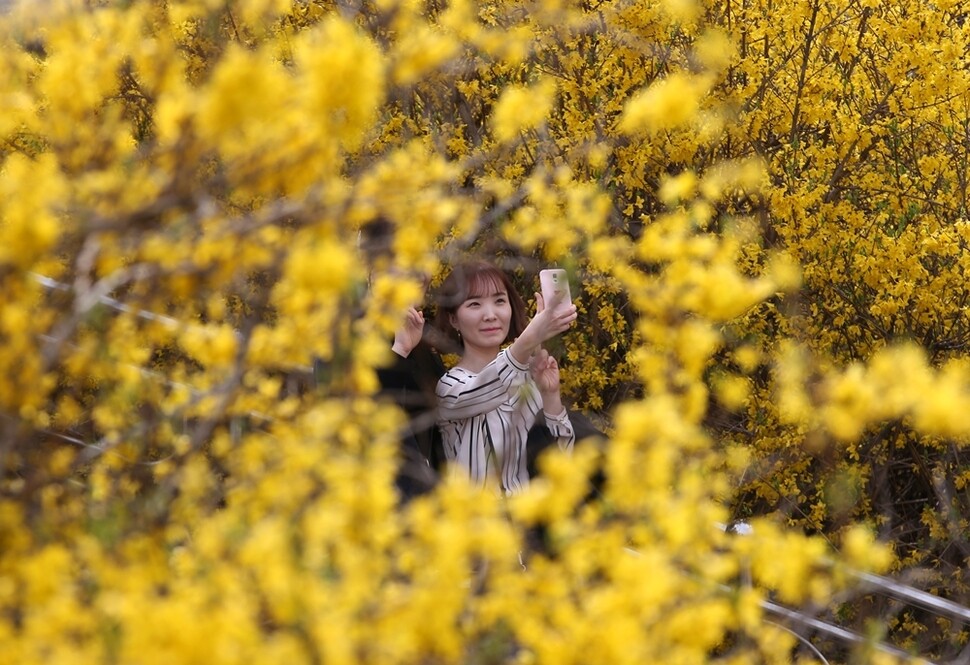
(554, 285)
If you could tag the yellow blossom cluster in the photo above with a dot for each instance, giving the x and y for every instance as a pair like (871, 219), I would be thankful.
(213, 216)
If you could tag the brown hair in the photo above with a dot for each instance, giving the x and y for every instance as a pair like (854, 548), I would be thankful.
(469, 279)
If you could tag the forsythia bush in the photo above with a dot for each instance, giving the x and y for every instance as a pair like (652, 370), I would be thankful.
(763, 205)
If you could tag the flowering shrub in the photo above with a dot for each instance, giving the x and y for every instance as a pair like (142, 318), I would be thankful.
(203, 199)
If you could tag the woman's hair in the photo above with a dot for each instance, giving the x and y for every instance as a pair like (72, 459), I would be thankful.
(475, 279)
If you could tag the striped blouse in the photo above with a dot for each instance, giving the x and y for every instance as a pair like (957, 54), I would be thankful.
(485, 419)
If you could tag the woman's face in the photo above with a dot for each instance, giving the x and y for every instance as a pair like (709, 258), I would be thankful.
(483, 319)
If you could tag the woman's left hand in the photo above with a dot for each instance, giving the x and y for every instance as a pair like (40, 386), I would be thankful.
(408, 335)
(545, 372)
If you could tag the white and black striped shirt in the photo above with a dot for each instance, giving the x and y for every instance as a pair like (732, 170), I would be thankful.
(485, 420)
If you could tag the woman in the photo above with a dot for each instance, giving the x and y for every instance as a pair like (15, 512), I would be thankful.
(491, 398)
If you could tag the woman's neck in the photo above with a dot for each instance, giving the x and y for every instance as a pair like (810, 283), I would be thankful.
(475, 359)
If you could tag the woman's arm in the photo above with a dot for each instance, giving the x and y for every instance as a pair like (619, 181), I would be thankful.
(545, 372)
(414, 370)
(561, 429)
(462, 395)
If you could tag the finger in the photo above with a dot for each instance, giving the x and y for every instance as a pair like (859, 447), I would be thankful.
(540, 303)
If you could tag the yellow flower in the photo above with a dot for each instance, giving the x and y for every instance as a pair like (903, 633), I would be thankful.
(678, 188)
(864, 552)
(246, 97)
(715, 50)
(522, 108)
(733, 391)
(322, 268)
(211, 345)
(420, 51)
(29, 225)
(682, 11)
(667, 104)
(342, 79)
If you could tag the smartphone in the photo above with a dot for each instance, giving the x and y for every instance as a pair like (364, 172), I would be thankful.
(554, 285)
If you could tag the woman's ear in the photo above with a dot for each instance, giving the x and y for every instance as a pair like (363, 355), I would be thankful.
(453, 320)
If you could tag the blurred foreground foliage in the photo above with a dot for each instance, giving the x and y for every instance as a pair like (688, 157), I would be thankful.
(764, 209)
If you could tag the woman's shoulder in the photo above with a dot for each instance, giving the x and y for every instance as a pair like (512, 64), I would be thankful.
(454, 381)
(458, 372)
(496, 369)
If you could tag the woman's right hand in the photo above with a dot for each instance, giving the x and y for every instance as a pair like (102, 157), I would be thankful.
(546, 324)
(553, 320)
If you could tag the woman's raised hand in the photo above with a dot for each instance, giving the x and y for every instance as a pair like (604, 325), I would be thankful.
(545, 372)
(553, 320)
(546, 324)
(408, 334)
